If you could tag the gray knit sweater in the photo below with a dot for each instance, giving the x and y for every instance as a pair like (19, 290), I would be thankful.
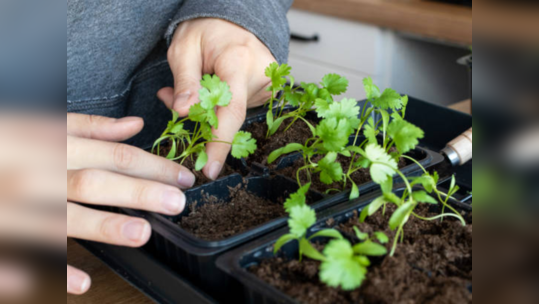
(116, 50)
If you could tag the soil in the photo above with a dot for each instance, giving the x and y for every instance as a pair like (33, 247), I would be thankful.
(360, 177)
(189, 163)
(217, 220)
(298, 133)
(433, 265)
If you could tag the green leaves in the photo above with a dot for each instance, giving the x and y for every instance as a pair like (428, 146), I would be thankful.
(401, 215)
(201, 160)
(243, 145)
(330, 170)
(277, 73)
(301, 218)
(284, 150)
(422, 197)
(214, 92)
(297, 199)
(340, 268)
(334, 134)
(389, 99)
(382, 164)
(335, 84)
(282, 241)
(405, 134)
(371, 89)
(370, 248)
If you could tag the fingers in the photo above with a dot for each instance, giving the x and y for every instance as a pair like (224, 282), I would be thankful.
(124, 159)
(78, 282)
(105, 227)
(103, 128)
(185, 59)
(231, 119)
(106, 188)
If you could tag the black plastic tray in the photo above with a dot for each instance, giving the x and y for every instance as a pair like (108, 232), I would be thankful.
(256, 290)
(194, 257)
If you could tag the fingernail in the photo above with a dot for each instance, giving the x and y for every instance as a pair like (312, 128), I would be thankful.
(186, 179)
(78, 283)
(173, 202)
(182, 99)
(136, 230)
(215, 170)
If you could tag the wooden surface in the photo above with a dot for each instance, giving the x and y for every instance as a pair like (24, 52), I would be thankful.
(107, 287)
(463, 106)
(446, 22)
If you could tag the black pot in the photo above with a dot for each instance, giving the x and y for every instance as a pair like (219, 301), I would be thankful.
(195, 258)
(255, 290)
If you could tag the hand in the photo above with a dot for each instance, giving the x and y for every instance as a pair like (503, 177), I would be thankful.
(101, 171)
(215, 46)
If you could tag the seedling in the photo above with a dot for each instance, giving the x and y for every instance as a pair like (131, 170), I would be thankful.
(342, 119)
(345, 265)
(302, 217)
(303, 98)
(186, 143)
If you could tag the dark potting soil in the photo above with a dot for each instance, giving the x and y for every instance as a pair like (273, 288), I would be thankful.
(217, 220)
(360, 177)
(433, 265)
(298, 133)
(189, 163)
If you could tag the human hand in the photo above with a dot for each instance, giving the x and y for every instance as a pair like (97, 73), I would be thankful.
(215, 46)
(101, 171)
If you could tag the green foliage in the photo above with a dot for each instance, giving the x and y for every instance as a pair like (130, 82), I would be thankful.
(188, 143)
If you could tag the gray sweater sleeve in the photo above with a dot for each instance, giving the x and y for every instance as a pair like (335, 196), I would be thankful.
(266, 19)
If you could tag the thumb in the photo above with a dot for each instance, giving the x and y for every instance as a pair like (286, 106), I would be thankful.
(186, 67)
(103, 128)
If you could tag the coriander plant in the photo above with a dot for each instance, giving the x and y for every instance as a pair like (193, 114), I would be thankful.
(303, 98)
(186, 143)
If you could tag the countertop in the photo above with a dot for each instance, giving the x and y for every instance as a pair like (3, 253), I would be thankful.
(440, 21)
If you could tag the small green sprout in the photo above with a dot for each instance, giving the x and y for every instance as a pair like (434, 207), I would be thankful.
(186, 143)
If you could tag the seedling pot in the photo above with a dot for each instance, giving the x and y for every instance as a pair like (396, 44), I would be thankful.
(194, 257)
(255, 290)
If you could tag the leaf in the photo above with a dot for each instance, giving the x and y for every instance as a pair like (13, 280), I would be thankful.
(332, 233)
(214, 92)
(334, 134)
(385, 119)
(382, 165)
(322, 107)
(363, 260)
(309, 251)
(330, 170)
(389, 99)
(401, 215)
(375, 205)
(371, 89)
(172, 153)
(310, 92)
(369, 248)
(197, 113)
(293, 147)
(387, 186)
(363, 215)
(405, 135)
(277, 73)
(345, 109)
(292, 98)
(335, 84)
(361, 235)
(355, 191)
(269, 118)
(324, 94)
(301, 219)
(422, 197)
(243, 145)
(381, 237)
(276, 124)
(282, 241)
(427, 181)
(201, 160)
(370, 132)
(175, 116)
(297, 198)
(340, 268)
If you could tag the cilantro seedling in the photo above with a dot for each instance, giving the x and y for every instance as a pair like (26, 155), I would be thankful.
(303, 98)
(186, 143)
(345, 265)
(302, 217)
